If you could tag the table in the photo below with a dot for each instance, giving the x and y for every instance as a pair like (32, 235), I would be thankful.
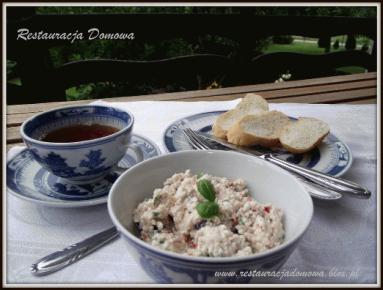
(340, 242)
(350, 89)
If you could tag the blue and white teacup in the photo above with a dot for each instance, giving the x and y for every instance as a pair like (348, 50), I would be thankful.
(83, 161)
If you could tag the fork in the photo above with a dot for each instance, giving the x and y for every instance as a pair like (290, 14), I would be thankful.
(199, 144)
(309, 177)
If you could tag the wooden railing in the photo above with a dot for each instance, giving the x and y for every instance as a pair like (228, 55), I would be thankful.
(41, 81)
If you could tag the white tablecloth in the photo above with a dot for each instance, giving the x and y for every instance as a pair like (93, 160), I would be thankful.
(339, 246)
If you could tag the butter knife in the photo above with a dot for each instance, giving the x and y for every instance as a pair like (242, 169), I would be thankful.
(60, 259)
(336, 184)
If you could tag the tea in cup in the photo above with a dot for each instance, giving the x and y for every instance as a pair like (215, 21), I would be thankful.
(81, 143)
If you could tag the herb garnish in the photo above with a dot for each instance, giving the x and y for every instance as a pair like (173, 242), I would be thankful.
(209, 208)
(157, 200)
(155, 213)
(206, 189)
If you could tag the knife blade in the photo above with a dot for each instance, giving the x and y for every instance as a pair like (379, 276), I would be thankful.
(224, 143)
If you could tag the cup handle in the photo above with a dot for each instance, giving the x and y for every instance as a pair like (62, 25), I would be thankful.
(138, 151)
(139, 154)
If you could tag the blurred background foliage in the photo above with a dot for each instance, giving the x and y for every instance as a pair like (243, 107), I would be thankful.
(280, 11)
(130, 50)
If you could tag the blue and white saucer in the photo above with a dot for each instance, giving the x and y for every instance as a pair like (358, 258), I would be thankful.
(332, 156)
(26, 179)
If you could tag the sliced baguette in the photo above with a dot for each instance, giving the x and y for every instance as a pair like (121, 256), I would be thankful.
(224, 121)
(253, 101)
(303, 135)
(251, 104)
(262, 129)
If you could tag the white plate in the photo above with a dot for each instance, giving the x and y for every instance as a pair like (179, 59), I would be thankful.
(332, 156)
(27, 180)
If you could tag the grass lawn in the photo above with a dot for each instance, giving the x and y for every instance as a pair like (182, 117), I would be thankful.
(351, 69)
(300, 47)
(308, 48)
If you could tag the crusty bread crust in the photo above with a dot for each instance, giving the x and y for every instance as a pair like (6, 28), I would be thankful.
(218, 131)
(218, 127)
(253, 100)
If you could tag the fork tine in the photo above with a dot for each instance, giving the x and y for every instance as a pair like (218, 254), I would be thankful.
(190, 141)
(200, 140)
(211, 145)
(195, 143)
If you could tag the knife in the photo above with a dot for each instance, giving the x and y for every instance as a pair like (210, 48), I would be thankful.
(60, 259)
(314, 189)
(339, 185)
(242, 149)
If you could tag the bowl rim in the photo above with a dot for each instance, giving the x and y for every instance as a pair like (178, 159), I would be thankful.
(73, 144)
(212, 260)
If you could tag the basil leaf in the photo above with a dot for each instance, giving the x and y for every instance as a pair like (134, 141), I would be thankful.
(207, 209)
(206, 189)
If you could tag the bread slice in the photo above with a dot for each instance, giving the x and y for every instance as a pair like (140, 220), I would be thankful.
(251, 104)
(252, 101)
(262, 129)
(303, 135)
(224, 121)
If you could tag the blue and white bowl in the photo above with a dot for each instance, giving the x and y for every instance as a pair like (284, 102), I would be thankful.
(266, 182)
(83, 161)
